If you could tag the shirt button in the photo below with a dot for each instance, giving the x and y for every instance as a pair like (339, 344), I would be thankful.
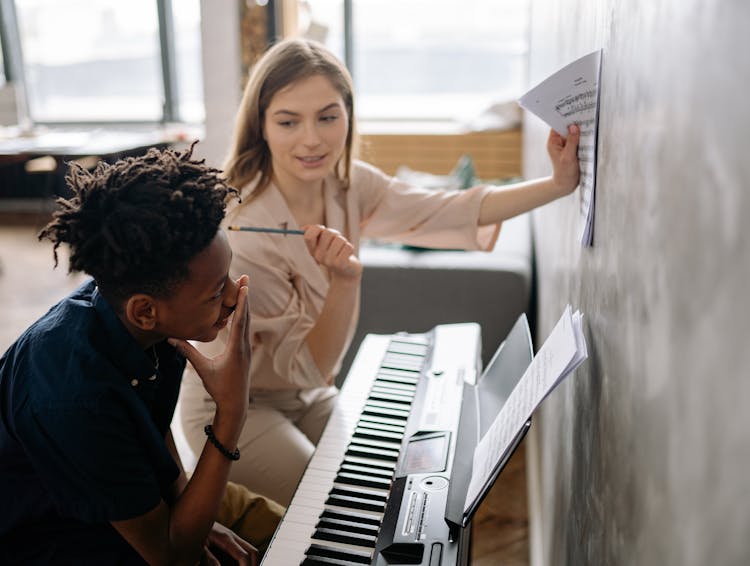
(134, 382)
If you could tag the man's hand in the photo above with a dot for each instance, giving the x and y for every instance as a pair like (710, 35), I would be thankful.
(226, 377)
(222, 541)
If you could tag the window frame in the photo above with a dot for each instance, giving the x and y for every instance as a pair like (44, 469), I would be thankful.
(10, 40)
(376, 119)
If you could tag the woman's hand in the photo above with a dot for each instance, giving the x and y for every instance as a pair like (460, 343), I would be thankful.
(226, 376)
(564, 156)
(331, 250)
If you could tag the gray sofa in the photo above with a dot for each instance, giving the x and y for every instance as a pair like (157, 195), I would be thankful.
(414, 290)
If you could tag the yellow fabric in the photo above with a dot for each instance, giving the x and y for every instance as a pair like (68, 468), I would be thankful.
(249, 515)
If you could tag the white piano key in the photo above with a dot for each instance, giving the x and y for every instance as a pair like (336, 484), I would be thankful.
(295, 533)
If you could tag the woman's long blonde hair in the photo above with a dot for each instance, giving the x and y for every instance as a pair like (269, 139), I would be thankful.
(283, 64)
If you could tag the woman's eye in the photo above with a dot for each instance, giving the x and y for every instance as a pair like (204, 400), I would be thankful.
(329, 118)
(286, 124)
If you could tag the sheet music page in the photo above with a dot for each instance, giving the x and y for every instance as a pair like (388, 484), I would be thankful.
(571, 96)
(560, 354)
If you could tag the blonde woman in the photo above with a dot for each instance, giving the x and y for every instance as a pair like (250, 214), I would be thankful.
(292, 158)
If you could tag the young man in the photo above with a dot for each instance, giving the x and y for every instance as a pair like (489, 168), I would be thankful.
(89, 473)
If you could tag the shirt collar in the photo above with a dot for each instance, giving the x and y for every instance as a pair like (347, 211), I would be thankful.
(126, 353)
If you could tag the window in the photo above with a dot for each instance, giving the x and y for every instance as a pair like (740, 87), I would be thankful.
(425, 59)
(107, 61)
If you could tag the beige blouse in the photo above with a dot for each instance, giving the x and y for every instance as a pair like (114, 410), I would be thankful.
(288, 288)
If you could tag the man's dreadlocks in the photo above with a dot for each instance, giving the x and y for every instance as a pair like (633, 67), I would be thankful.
(134, 225)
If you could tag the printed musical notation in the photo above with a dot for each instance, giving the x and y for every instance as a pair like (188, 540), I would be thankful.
(576, 104)
(571, 96)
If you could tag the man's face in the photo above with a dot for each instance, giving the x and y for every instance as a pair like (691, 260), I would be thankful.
(202, 304)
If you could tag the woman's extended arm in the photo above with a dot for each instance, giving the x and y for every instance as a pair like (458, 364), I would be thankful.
(511, 200)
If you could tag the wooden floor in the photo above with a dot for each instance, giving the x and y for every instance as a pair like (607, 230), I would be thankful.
(29, 286)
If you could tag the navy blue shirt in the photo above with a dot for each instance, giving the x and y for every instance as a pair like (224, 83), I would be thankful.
(83, 417)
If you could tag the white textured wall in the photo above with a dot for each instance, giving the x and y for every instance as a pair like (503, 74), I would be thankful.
(643, 456)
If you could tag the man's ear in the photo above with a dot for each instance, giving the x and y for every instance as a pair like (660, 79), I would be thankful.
(140, 310)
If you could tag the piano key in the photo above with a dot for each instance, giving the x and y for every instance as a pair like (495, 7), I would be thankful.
(372, 452)
(360, 503)
(365, 492)
(369, 471)
(403, 361)
(386, 443)
(388, 405)
(336, 535)
(399, 375)
(391, 397)
(408, 348)
(347, 525)
(324, 561)
(387, 378)
(363, 480)
(367, 519)
(383, 412)
(355, 556)
(384, 423)
(370, 432)
(282, 553)
(333, 506)
(363, 460)
(394, 386)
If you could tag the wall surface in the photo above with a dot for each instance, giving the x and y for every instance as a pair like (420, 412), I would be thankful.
(642, 456)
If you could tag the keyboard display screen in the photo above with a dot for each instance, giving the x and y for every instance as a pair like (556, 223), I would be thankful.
(426, 455)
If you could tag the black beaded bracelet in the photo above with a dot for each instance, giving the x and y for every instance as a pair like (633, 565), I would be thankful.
(209, 430)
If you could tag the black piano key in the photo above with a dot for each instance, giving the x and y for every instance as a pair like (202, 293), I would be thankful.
(394, 386)
(355, 502)
(387, 405)
(384, 412)
(369, 432)
(324, 561)
(354, 556)
(389, 465)
(363, 480)
(344, 537)
(384, 423)
(395, 376)
(387, 443)
(372, 452)
(369, 471)
(348, 526)
(406, 350)
(363, 493)
(360, 518)
(392, 373)
(380, 395)
(402, 363)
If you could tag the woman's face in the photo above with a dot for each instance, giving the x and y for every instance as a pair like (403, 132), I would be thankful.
(305, 127)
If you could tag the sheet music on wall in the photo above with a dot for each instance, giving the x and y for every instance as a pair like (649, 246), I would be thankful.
(571, 96)
(562, 352)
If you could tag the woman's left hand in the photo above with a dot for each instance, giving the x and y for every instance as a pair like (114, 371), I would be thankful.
(564, 156)
(333, 251)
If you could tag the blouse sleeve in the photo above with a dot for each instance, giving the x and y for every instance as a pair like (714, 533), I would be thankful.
(393, 210)
(282, 313)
